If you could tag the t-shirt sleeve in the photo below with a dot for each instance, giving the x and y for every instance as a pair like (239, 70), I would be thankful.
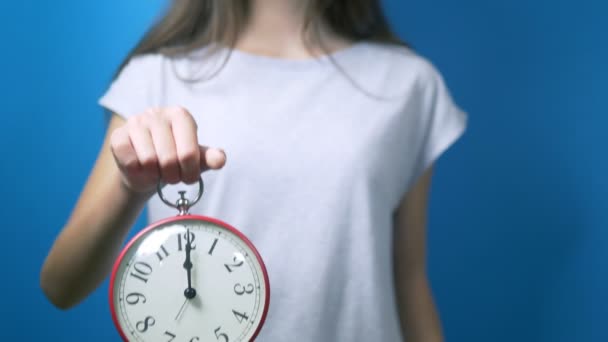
(136, 88)
(442, 121)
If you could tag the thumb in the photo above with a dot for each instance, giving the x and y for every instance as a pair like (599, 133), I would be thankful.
(211, 158)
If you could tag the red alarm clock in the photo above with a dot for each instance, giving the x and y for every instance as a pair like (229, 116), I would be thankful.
(189, 278)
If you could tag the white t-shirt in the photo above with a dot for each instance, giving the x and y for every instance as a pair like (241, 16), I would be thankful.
(318, 158)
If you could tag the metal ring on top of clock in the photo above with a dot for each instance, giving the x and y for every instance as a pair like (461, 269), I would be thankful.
(182, 204)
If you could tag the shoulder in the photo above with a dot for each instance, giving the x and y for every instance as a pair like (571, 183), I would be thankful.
(136, 85)
(396, 69)
(189, 65)
(397, 55)
(146, 64)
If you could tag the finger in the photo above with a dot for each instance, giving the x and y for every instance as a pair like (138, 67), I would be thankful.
(141, 139)
(164, 145)
(123, 151)
(186, 143)
(211, 158)
(127, 161)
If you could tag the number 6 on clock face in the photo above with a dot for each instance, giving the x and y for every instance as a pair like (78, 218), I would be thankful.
(189, 278)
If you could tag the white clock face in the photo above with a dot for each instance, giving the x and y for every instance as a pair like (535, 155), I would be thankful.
(151, 280)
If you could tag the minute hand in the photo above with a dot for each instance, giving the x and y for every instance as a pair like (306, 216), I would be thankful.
(190, 292)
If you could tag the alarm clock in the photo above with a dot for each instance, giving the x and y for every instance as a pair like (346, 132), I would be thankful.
(189, 278)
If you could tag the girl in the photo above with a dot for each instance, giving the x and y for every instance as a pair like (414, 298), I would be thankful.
(330, 126)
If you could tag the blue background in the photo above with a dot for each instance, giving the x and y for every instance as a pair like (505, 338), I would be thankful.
(517, 232)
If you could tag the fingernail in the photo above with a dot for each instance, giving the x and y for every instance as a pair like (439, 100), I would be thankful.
(217, 155)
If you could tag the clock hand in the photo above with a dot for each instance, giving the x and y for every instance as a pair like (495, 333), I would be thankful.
(190, 292)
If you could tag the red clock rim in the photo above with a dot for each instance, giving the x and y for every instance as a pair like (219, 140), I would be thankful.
(179, 218)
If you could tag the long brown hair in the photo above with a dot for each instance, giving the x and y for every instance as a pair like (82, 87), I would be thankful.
(191, 24)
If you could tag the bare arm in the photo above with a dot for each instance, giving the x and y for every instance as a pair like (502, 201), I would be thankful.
(83, 253)
(159, 144)
(419, 318)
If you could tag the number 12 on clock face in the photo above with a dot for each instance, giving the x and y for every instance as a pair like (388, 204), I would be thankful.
(189, 278)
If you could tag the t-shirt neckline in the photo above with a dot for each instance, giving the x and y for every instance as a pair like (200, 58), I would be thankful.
(250, 58)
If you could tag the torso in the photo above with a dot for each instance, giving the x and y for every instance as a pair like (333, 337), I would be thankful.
(315, 169)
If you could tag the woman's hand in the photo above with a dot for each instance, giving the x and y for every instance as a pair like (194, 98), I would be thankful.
(158, 145)
(161, 145)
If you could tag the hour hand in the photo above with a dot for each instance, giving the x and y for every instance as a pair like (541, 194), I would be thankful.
(190, 292)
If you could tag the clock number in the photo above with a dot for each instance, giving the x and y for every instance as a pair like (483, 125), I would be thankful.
(219, 334)
(170, 335)
(129, 299)
(237, 263)
(143, 270)
(240, 316)
(164, 252)
(212, 247)
(241, 290)
(179, 240)
(142, 326)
